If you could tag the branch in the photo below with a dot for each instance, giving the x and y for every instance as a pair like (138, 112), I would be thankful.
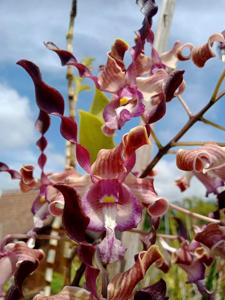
(162, 235)
(208, 122)
(194, 215)
(196, 143)
(162, 151)
(155, 138)
(185, 106)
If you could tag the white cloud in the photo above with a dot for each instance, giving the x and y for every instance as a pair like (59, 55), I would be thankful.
(194, 21)
(165, 186)
(16, 123)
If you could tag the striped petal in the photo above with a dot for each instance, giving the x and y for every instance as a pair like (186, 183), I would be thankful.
(114, 163)
(207, 163)
(122, 285)
(203, 159)
(112, 77)
(201, 54)
(144, 190)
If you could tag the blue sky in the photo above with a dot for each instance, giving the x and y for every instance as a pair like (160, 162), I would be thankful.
(26, 24)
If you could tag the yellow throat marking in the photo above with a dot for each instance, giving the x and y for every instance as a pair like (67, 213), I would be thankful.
(123, 101)
(42, 199)
(108, 199)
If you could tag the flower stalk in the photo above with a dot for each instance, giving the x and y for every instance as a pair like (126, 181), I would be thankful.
(194, 215)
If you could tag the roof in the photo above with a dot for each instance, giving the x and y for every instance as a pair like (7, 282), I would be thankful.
(15, 212)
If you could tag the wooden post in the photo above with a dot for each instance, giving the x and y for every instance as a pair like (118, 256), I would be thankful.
(72, 96)
(69, 162)
(164, 25)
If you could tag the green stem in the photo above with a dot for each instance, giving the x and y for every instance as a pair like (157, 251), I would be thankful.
(208, 122)
(194, 215)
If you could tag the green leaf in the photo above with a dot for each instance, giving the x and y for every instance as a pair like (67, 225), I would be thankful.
(88, 61)
(99, 102)
(84, 87)
(91, 135)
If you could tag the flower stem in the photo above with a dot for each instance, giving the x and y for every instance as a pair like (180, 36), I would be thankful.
(216, 90)
(208, 122)
(196, 143)
(194, 215)
(155, 138)
(185, 106)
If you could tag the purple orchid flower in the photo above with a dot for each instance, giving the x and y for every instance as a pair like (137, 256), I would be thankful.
(111, 196)
(193, 259)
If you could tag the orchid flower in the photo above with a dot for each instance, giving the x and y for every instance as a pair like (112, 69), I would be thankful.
(111, 197)
(142, 88)
(193, 259)
(207, 163)
(14, 256)
(213, 237)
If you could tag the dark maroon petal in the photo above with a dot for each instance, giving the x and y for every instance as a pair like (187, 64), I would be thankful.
(156, 291)
(91, 275)
(86, 253)
(83, 158)
(42, 160)
(48, 99)
(25, 269)
(148, 7)
(210, 235)
(172, 83)
(68, 58)
(181, 228)
(68, 129)
(221, 200)
(42, 143)
(74, 219)
(13, 173)
(43, 122)
(156, 113)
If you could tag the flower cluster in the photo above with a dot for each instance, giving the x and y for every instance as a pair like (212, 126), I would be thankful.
(108, 197)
